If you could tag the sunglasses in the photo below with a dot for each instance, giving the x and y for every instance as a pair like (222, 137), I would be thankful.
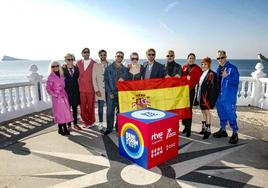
(70, 59)
(151, 54)
(86, 52)
(120, 56)
(220, 58)
(54, 66)
(170, 55)
(133, 59)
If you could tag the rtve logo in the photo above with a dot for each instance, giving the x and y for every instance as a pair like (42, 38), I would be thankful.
(157, 136)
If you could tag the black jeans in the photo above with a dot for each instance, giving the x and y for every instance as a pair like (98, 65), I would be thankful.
(188, 122)
(74, 109)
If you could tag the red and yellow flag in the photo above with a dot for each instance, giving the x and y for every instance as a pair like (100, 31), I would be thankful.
(169, 94)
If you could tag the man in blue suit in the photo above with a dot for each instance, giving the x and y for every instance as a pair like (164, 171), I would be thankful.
(228, 77)
(152, 69)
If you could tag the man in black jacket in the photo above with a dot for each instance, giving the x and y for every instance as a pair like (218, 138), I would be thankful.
(173, 69)
(71, 74)
(152, 68)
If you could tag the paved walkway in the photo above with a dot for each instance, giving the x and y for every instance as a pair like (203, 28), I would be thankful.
(36, 156)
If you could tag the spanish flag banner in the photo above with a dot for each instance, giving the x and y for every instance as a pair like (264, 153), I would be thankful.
(169, 94)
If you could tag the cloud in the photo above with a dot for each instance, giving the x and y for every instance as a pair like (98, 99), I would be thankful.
(171, 6)
(166, 27)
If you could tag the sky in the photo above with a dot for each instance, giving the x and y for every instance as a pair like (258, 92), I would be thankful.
(43, 30)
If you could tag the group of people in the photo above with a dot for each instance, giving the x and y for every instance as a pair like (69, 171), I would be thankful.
(87, 81)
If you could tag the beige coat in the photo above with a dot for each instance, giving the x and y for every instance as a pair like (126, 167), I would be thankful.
(98, 80)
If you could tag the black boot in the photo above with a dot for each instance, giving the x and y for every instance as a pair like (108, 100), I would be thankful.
(220, 133)
(184, 130)
(188, 130)
(60, 131)
(203, 127)
(234, 139)
(66, 131)
(207, 131)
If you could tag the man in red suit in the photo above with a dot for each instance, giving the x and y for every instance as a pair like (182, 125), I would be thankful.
(87, 93)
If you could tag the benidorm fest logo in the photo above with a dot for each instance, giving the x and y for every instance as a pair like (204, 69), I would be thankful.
(132, 140)
(148, 114)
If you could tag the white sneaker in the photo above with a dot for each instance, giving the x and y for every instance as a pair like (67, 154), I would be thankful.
(100, 125)
(90, 126)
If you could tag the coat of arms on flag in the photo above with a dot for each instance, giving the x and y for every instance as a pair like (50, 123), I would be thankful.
(140, 101)
(170, 94)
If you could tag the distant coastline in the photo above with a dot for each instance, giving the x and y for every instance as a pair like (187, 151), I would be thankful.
(10, 58)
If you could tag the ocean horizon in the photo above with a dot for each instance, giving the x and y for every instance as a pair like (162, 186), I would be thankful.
(17, 71)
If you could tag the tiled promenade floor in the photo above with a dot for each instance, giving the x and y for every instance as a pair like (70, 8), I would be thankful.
(32, 154)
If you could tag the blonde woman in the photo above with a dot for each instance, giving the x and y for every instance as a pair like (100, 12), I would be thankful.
(60, 105)
(135, 69)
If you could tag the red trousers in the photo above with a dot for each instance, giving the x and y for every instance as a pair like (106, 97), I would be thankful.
(87, 108)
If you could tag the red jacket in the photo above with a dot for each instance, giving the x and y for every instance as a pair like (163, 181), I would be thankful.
(195, 74)
(85, 77)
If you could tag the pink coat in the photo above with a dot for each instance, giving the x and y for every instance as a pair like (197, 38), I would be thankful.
(60, 105)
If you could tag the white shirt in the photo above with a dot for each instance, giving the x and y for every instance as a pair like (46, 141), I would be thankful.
(203, 76)
(86, 63)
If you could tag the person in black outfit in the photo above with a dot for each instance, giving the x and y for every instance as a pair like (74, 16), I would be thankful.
(207, 94)
(71, 74)
(135, 70)
(173, 69)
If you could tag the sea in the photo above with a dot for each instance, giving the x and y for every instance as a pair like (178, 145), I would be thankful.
(17, 71)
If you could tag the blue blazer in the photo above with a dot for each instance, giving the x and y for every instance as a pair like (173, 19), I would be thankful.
(158, 70)
(229, 85)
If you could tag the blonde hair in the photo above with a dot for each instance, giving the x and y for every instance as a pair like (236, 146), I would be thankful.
(221, 53)
(170, 52)
(54, 63)
(69, 55)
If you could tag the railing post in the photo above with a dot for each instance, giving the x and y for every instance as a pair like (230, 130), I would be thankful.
(36, 79)
(4, 103)
(257, 85)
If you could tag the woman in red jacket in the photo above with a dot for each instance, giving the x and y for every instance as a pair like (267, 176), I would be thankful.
(193, 73)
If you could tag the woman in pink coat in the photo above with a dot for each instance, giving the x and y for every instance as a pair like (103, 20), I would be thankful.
(60, 105)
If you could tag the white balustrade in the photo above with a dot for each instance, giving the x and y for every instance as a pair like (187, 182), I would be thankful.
(45, 95)
(30, 99)
(24, 99)
(18, 99)
(244, 97)
(263, 102)
(11, 100)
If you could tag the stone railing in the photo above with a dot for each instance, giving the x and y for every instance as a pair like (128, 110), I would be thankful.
(253, 90)
(18, 99)
(263, 102)
(245, 93)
